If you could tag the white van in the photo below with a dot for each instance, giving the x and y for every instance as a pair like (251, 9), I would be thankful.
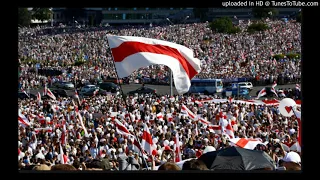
(247, 85)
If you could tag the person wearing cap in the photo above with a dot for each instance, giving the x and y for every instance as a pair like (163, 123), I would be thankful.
(292, 161)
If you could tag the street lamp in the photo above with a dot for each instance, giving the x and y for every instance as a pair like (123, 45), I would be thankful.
(51, 9)
(171, 88)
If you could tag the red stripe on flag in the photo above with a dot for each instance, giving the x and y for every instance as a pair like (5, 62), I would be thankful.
(136, 143)
(129, 48)
(22, 121)
(242, 142)
(147, 137)
(121, 128)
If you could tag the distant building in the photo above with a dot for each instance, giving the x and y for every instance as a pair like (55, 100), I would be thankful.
(91, 16)
(244, 13)
(144, 15)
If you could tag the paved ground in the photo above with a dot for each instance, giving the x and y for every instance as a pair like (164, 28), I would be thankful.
(164, 89)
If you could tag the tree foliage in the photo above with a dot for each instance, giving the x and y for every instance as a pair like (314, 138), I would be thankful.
(289, 56)
(41, 14)
(257, 27)
(264, 12)
(224, 25)
(24, 17)
(200, 13)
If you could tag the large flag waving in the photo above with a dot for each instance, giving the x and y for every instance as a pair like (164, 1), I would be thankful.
(131, 53)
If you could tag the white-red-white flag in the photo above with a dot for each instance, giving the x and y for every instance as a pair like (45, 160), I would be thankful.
(48, 92)
(76, 95)
(63, 158)
(80, 119)
(46, 129)
(177, 151)
(146, 142)
(274, 91)
(187, 111)
(263, 92)
(25, 92)
(121, 129)
(95, 92)
(23, 121)
(245, 143)
(229, 130)
(132, 53)
(215, 128)
(159, 34)
(160, 116)
(39, 98)
(137, 147)
(203, 121)
(196, 130)
(298, 87)
(63, 138)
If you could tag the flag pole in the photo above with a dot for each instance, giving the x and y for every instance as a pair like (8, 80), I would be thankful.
(124, 99)
(141, 150)
(171, 90)
(118, 79)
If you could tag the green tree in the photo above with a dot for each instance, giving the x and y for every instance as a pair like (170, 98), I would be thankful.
(24, 17)
(221, 25)
(41, 14)
(201, 13)
(257, 27)
(264, 12)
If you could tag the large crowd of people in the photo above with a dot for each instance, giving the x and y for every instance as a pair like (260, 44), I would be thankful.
(224, 56)
(85, 128)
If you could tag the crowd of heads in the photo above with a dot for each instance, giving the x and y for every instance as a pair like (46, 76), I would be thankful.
(103, 147)
(222, 55)
(103, 141)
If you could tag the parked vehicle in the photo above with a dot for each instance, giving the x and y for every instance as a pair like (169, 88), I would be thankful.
(235, 91)
(60, 93)
(64, 85)
(247, 85)
(143, 90)
(114, 80)
(90, 93)
(87, 88)
(206, 86)
(109, 87)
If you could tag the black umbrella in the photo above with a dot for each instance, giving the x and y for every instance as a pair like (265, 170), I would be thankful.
(235, 158)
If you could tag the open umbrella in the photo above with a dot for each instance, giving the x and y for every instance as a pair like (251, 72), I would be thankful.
(236, 158)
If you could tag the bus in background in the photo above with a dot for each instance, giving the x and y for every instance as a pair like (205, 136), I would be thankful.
(206, 86)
